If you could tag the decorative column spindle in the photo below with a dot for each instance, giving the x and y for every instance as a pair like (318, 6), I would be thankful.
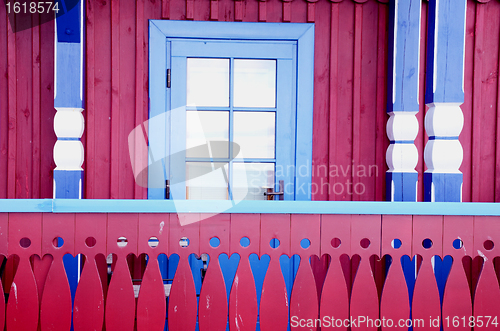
(445, 93)
(402, 103)
(68, 101)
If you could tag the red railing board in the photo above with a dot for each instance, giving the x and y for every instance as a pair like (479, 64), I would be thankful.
(40, 297)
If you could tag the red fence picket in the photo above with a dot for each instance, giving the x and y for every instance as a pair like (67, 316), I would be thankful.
(40, 297)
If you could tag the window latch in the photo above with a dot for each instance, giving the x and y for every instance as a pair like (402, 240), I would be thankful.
(167, 189)
(281, 193)
(168, 78)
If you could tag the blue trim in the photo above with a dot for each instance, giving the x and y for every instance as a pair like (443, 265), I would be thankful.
(442, 138)
(445, 66)
(252, 207)
(411, 142)
(447, 187)
(68, 184)
(69, 138)
(405, 186)
(172, 41)
(232, 30)
(68, 21)
(67, 93)
(158, 117)
(404, 41)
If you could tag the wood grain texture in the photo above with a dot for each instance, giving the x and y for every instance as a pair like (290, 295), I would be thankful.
(346, 119)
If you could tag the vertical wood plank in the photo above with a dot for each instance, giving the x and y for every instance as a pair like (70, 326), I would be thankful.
(189, 9)
(182, 307)
(24, 109)
(23, 305)
(497, 151)
(120, 302)
(274, 300)
(104, 102)
(90, 127)
(395, 301)
(139, 192)
(364, 174)
(12, 140)
(466, 134)
(336, 242)
(115, 100)
(365, 242)
(262, 11)
(382, 142)
(287, 11)
(487, 294)
(304, 299)
(311, 12)
(90, 241)
(356, 97)
(321, 188)
(126, 95)
(213, 308)
(426, 300)
(165, 9)
(333, 104)
(4, 104)
(477, 104)
(243, 297)
(421, 139)
(47, 134)
(35, 60)
(56, 306)
(457, 299)
(344, 143)
(238, 10)
(214, 10)
(151, 304)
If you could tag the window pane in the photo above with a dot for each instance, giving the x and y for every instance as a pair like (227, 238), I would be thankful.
(208, 82)
(250, 180)
(206, 181)
(254, 132)
(254, 83)
(207, 126)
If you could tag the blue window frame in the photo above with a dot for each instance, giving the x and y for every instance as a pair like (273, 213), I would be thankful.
(289, 48)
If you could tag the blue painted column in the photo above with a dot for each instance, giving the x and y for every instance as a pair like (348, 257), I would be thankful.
(68, 100)
(402, 100)
(445, 93)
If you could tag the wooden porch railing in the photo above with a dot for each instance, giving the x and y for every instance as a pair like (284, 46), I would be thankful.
(362, 283)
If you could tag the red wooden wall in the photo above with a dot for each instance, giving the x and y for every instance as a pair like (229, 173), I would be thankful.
(26, 110)
(349, 101)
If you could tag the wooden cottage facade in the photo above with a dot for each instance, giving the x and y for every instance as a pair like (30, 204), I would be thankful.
(391, 130)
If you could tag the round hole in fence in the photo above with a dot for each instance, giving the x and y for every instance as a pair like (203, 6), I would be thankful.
(25, 242)
(305, 243)
(336, 242)
(153, 242)
(488, 245)
(396, 243)
(458, 243)
(427, 243)
(245, 242)
(274, 243)
(365, 243)
(122, 242)
(90, 242)
(58, 242)
(214, 242)
(184, 242)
